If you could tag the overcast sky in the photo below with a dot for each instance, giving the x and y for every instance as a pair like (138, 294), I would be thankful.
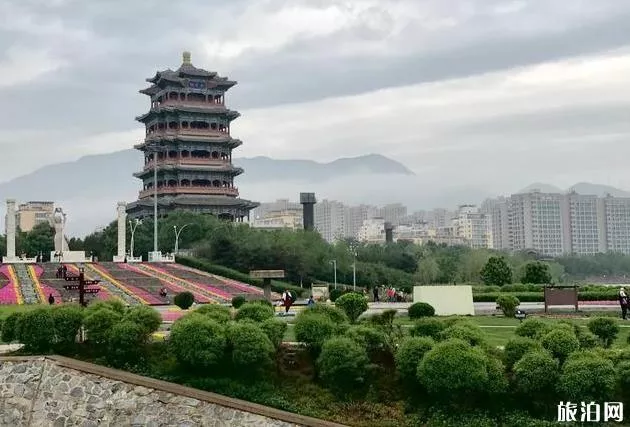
(491, 93)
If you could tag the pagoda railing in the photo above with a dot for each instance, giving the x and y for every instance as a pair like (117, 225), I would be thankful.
(205, 132)
(188, 161)
(195, 103)
(183, 189)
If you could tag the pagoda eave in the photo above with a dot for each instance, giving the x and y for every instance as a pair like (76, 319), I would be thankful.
(232, 171)
(184, 139)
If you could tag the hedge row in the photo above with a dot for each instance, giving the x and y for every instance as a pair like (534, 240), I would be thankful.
(276, 285)
(539, 296)
(519, 287)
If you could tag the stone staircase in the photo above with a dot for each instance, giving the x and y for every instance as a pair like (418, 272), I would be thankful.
(111, 288)
(26, 284)
(179, 282)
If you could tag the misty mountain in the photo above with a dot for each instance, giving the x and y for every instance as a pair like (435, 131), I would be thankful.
(585, 188)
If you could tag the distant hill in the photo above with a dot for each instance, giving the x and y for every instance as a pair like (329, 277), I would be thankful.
(585, 188)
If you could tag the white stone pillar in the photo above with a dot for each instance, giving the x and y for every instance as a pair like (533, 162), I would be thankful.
(10, 224)
(122, 229)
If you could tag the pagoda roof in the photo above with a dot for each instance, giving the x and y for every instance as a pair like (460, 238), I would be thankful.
(234, 170)
(232, 114)
(184, 72)
(177, 139)
(192, 200)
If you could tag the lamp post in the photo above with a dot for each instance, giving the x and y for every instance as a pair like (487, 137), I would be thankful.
(153, 148)
(133, 225)
(353, 248)
(334, 263)
(177, 233)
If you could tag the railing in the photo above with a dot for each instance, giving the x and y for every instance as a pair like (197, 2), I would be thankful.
(230, 191)
(205, 132)
(179, 102)
(188, 161)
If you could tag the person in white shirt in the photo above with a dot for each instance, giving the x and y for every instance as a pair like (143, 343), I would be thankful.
(623, 302)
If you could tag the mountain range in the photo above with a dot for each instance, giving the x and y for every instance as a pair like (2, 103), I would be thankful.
(88, 188)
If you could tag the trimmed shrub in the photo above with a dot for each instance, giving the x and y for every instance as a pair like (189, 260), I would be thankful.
(535, 374)
(464, 331)
(497, 381)
(560, 343)
(427, 327)
(126, 343)
(36, 330)
(67, 319)
(336, 315)
(113, 304)
(238, 301)
(452, 370)
(353, 304)
(409, 356)
(623, 378)
(252, 350)
(606, 329)
(342, 364)
(254, 311)
(261, 302)
(215, 312)
(313, 329)
(586, 338)
(517, 347)
(532, 328)
(420, 309)
(10, 327)
(371, 339)
(99, 322)
(145, 317)
(275, 330)
(588, 378)
(198, 342)
(508, 304)
(184, 300)
(334, 294)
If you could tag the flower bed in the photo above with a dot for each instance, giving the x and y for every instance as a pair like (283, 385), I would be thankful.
(8, 295)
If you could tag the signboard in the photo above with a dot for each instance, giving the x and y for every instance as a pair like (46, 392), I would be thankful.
(196, 84)
(92, 291)
(267, 274)
(71, 287)
(320, 293)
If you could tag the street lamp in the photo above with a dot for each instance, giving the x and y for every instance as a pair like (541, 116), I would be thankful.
(133, 225)
(177, 233)
(353, 248)
(334, 263)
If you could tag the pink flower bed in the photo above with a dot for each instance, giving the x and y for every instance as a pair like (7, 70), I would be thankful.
(220, 293)
(55, 293)
(234, 283)
(598, 302)
(146, 296)
(172, 287)
(171, 316)
(7, 293)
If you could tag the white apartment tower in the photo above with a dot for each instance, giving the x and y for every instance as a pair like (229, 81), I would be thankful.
(330, 219)
(615, 212)
(472, 226)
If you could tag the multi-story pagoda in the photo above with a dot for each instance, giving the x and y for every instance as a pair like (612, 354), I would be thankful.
(188, 148)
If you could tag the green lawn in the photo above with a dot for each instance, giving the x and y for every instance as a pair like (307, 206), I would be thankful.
(6, 310)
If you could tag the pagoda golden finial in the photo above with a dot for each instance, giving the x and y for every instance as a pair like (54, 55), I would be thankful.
(186, 58)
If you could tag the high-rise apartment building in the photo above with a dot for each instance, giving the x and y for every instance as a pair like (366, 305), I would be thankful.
(585, 223)
(393, 213)
(330, 219)
(496, 211)
(472, 225)
(30, 214)
(615, 212)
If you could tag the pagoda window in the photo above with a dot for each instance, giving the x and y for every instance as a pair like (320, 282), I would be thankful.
(173, 95)
(172, 183)
(218, 99)
(185, 125)
(185, 183)
(172, 154)
(173, 125)
(216, 183)
(160, 126)
(200, 154)
(197, 97)
(221, 127)
(185, 153)
(182, 96)
(224, 156)
(215, 155)
(213, 126)
(226, 184)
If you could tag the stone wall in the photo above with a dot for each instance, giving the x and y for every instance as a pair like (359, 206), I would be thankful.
(56, 391)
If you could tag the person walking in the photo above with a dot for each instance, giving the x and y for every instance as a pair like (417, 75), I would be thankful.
(623, 302)
(375, 292)
(287, 301)
(51, 299)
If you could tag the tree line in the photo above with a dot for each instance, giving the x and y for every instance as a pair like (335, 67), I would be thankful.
(308, 258)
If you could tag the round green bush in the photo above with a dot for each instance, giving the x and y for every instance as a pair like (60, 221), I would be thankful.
(254, 311)
(517, 347)
(36, 330)
(67, 319)
(371, 339)
(275, 330)
(560, 343)
(427, 327)
(470, 333)
(144, 316)
(587, 339)
(588, 379)
(184, 300)
(605, 328)
(252, 350)
(215, 312)
(453, 370)
(99, 322)
(342, 364)
(10, 331)
(420, 309)
(335, 314)
(313, 330)
(497, 380)
(535, 373)
(113, 304)
(238, 301)
(532, 328)
(409, 355)
(126, 343)
(623, 377)
(353, 304)
(198, 342)
(508, 304)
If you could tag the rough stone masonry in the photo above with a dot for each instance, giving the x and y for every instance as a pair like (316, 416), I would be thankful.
(55, 391)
